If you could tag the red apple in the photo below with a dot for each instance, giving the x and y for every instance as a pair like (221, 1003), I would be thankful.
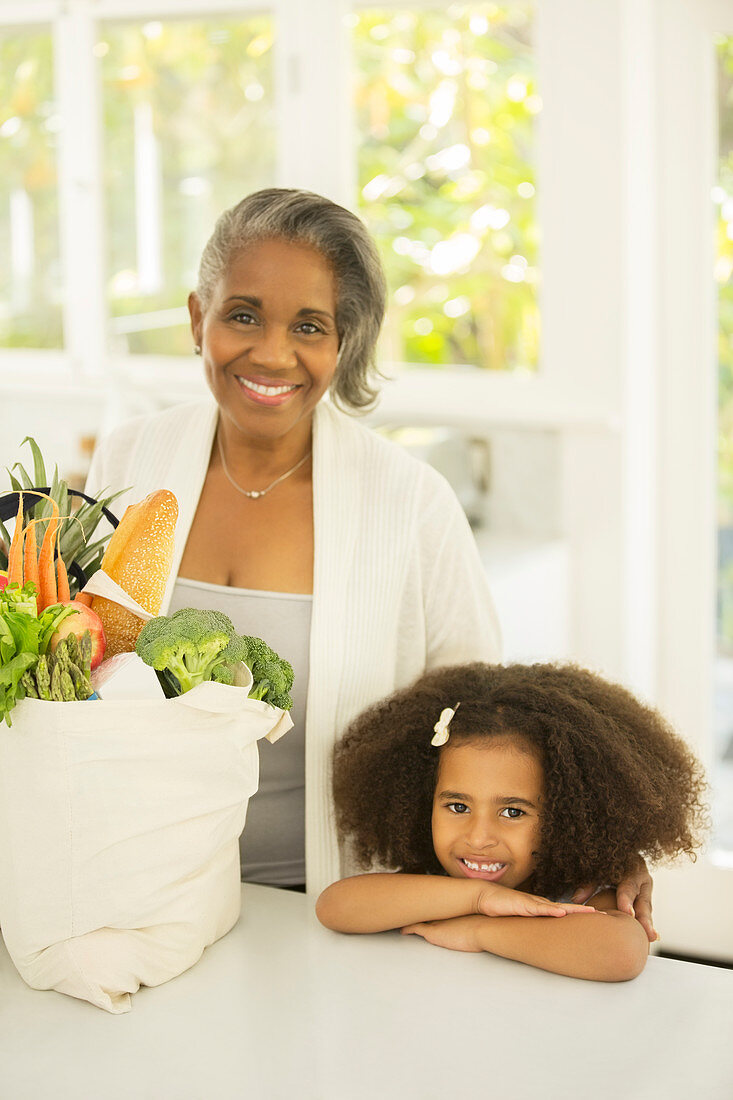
(3, 579)
(77, 624)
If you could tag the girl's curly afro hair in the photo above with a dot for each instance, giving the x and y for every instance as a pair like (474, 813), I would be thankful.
(618, 782)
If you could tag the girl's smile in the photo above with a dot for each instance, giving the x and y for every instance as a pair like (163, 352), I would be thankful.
(492, 872)
(486, 810)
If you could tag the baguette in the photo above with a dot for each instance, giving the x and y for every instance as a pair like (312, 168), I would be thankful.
(138, 557)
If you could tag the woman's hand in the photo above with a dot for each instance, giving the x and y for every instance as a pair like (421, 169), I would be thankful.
(456, 933)
(495, 900)
(633, 896)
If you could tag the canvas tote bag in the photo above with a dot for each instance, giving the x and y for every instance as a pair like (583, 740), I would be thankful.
(119, 827)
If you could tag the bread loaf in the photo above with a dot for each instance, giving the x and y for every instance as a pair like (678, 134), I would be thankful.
(138, 557)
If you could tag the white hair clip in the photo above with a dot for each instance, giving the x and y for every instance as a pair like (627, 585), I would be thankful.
(442, 726)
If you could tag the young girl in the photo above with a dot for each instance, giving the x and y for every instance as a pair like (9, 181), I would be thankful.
(492, 789)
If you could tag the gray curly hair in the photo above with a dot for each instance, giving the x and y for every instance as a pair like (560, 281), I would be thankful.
(306, 218)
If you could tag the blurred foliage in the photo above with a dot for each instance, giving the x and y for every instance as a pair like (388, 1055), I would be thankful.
(445, 115)
(724, 277)
(198, 98)
(30, 276)
(445, 105)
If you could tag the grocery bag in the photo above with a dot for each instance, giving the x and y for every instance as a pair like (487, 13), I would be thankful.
(119, 827)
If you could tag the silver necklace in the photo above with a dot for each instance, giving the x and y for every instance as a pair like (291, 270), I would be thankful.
(254, 494)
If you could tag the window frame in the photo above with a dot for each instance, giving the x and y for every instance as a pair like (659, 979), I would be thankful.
(315, 143)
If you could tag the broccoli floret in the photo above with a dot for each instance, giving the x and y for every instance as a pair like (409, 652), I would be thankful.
(272, 675)
(189, 645)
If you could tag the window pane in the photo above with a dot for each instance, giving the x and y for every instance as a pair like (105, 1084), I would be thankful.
(189, 130)
(30, 278)
(446, 103)
(723, 759)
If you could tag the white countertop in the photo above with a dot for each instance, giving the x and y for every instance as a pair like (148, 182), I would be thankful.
(282, 1008)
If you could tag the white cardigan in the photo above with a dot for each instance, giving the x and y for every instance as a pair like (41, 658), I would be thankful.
(398, 585)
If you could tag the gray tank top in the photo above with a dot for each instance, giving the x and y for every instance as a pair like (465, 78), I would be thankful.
(272, 846)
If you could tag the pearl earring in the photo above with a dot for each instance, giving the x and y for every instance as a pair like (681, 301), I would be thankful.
(197, 349)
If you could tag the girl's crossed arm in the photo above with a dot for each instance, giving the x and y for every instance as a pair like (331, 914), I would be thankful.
(609, 947)
(377, 902)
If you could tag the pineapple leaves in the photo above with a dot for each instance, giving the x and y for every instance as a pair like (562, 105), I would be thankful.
(79, 519)
(39, 466)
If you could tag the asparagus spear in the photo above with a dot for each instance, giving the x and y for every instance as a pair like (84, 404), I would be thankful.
(72, 647)
(85, 655)
(28, 681)
(82, 687)
(43, 678)
(68, 692)
(56, 694)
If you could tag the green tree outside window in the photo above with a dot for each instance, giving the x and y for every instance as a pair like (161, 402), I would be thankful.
(446, 103)
(30, 276)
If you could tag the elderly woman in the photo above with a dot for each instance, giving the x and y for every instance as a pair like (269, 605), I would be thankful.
(353, 559)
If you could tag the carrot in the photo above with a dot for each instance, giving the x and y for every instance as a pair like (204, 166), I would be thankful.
(46, 572)
(62, 594)
(15, 554)
(85, 598)
(30, 557)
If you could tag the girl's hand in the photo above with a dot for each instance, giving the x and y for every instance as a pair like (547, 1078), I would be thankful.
(633, 896)
(495, 900)
(456, 933)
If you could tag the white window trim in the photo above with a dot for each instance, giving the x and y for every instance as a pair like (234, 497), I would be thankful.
(82, 229)
(688, 364)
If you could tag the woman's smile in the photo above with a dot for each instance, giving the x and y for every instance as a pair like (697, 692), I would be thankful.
(264, 392)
